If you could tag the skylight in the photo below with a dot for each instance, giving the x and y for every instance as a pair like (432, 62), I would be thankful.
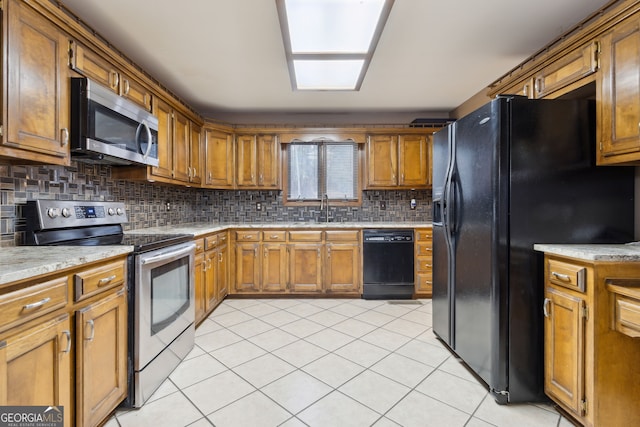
(329, 43)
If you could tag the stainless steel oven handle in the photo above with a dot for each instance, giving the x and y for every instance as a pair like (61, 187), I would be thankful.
(168, 254)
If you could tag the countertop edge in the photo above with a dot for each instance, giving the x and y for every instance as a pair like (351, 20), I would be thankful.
(592, 252)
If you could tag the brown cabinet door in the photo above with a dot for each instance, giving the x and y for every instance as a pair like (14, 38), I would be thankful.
(274, 267)
(181, 144)
(382, 161)
(211, 280)
(247, 267)
(618, 88)
(412, 161)
(268, 162)
(247, 161)
(93, 66)
(305, 262)
(564, 348)
(195, 154)
(219, 161)
(134, 91)
(101, 358)
(164, 112)
(36, 86)
(223, 271)
(45, 346)
(342, 268)
(199, 271)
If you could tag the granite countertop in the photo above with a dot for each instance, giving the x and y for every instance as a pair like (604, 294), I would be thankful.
(24, 262)
(595, 252)
(199, 229)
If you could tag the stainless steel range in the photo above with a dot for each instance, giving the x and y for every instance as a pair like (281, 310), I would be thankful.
(160, 282)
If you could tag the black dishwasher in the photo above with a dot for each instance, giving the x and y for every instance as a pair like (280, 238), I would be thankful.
(388, 264)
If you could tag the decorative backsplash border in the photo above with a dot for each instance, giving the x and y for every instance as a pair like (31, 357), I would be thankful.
(147, 202)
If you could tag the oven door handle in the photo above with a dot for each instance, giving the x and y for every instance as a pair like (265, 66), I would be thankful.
(168, 255)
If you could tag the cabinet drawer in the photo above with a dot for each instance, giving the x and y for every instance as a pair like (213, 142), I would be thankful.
(424, 234)
(627, 316)
(424, 264)
(424, 283)
(342, 235)
(91, 282)
(305, 236)
(423, 249)
(28, 303)
(210, 242)
(199, 245)
(247, 236)
(567, 275)
(274, 236)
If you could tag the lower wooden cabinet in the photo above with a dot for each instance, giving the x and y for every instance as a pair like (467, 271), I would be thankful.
(422, 263)
(592, 368)
(35, 366)
(101, 358)
(199, 280)
(305, 267)
(212, 273)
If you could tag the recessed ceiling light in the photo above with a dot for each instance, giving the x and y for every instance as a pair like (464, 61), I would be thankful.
(329, 43)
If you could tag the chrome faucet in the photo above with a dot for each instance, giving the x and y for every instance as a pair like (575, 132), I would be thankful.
(325, 205)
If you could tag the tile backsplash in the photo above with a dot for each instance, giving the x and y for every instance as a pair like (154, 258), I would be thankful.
(147, 202)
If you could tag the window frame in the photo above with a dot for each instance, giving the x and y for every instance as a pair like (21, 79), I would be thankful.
(318, 202)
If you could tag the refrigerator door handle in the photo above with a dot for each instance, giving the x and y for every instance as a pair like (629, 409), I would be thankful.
(438, 214)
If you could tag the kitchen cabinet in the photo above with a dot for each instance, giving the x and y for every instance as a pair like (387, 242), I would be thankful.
(219, 163)
(199, 280)
(618, 92)
(592, 369)
(101, 358)
(422, 262)
(274, 262)
(397, 161)
(247, 275)
(196, 151)
(342, 263)
(36, 87)
(258, 162)
(305, 261)
(35, 366)
(216, 274)
(97, 68)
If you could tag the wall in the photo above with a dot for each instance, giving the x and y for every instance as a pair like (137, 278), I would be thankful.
(146, 202)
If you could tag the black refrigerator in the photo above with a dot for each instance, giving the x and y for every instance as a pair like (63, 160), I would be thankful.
(513, 173)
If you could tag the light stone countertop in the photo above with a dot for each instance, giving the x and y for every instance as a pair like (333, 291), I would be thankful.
(24, 262)
(594, 252)
(199, 229)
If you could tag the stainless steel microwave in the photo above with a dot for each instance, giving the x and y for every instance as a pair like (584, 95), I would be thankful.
(109, 129)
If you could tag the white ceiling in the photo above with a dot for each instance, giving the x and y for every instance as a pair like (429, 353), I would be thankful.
(226, 58)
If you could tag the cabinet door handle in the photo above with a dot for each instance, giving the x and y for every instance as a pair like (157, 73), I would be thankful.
(106, 280)
(37, 304)
(318, 252)
(219, 256)
(328, 252)
(68, 335)
(65, 137)
(545, 307)
(559, 276)
(125, 91)
(115, 79)
(255, 252)
(265, 253)
(93, 330)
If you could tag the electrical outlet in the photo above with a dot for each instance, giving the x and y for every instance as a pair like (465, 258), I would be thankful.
(383, 205)
(167, 204)
(258, 206)
(413, 204)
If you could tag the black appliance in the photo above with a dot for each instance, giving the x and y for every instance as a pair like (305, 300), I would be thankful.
(107, 128)
(387, 258)
(161, 306)
(514, 173)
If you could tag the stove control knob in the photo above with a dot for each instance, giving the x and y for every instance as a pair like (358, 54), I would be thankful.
(120, 212)
(53, 212)
(111, 211)
(66, 212)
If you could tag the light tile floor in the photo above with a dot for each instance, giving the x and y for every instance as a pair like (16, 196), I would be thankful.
(324, 362)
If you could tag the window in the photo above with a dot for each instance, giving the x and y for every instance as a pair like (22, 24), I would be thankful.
(316, 169)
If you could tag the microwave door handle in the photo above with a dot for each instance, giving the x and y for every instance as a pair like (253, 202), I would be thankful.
(144, 123)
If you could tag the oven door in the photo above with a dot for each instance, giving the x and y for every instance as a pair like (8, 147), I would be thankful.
(164, 299)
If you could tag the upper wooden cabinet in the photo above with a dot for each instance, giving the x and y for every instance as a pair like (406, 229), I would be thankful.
(91, 65)
(219, 164)
(36, 87)
(258, 162)
(618, 89)
(398, 161)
